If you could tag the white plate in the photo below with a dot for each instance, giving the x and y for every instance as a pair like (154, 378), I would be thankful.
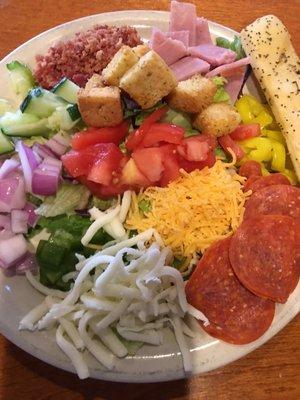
(17, 297)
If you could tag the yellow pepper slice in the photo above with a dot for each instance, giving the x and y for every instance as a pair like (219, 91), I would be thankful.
(244, 110)
(256, 142)
(261, 154)
(255, 106)
(268, 148)
(264, 170)
(263, 119)
(291, 176)
(275, 135)
(278, 156)
(274, 126)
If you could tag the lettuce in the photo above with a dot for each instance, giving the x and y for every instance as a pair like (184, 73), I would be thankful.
(69, 197)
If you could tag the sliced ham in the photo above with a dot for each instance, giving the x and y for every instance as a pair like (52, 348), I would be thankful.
(229, 69)
(213, 54)
(202, 32)
(170, 50)
(234, 84)
(183, 36)
(183, 17)
(189, 66)
(157, 37)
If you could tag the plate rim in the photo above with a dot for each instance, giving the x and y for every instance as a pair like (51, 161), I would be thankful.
(115, 376)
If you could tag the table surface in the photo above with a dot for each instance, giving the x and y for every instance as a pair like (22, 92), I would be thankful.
(269, 373)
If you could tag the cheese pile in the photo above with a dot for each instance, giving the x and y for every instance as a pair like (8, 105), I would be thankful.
(194, 211)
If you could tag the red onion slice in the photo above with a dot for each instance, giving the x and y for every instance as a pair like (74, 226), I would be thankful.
(58, 144)
(46, 177)
(7, 167)
(28, 161)
(12, 250)
(12, 194)
(32, 217)
(42, 151)
(5, 222)
(6, 234)
(19, 220)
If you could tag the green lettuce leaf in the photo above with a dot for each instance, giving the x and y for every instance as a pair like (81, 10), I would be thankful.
(68, 198)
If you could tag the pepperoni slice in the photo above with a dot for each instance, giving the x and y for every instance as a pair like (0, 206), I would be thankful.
(256, 183)
(236, 315)
(263, 254)
(276, 199)
(250, 168)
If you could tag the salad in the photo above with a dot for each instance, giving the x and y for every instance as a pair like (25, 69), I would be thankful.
(147, 195)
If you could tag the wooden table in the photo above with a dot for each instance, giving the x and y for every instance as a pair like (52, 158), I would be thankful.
(269, 373)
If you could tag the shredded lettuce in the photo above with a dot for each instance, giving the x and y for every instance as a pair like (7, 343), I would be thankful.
(220, 153)
(68, 198)
(219, 81)
(178, 118)
(102, 204)
(144, 206)
(140, 114)
(235, 46)
(178, 262)
(30, 141)
(191, 132)
(221, 95)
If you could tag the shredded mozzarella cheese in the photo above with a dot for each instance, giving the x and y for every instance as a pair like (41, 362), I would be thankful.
(133, 292)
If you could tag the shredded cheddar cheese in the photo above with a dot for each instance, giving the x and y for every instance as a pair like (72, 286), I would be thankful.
(194, 211)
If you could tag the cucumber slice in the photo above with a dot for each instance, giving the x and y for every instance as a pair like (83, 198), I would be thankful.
(18, 124)
(41, 103)
(5, 106)
(6, 145)
(61, 120)
(21, 78)
(74, 112)
(67, 90)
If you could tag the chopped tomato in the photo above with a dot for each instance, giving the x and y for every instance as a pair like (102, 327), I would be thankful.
(196, 148)
(104, 192)
(149, 162)
(250, 168)
(170, 164)
(79, 163)
(92, 136)
(210, 139)
(74, 165)
(193, 150)
(246, 131)
(106, 164)
(163, 132)
(190, 166)
(132, 176)
(228, 143)
(136, 138)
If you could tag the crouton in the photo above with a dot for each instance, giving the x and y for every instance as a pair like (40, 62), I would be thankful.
(192, 95)
(141, 50)
(121, 62)
(100, 106)
(95, 80)
(149, 80)
(218, 119)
